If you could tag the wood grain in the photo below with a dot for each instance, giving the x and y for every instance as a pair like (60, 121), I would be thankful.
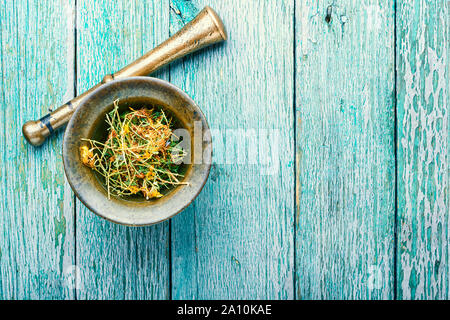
(236, 239)
(345, 149)
(36, 208)
(117, 262)
(423, 144)
(327, 87)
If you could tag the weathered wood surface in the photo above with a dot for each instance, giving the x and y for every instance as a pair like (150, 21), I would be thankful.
(423, 144)
(345, 150)
(117, 262)
(36, 207)
(320, 223)
(236, 240)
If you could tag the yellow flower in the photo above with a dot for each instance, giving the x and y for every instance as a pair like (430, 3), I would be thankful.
(87, 156)
(150, 174)
(125, 130)
(134, 189)
(153, 193)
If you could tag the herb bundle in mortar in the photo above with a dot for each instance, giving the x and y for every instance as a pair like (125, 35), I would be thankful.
(139, 155)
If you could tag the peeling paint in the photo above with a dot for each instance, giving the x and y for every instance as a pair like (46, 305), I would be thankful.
(424, 151)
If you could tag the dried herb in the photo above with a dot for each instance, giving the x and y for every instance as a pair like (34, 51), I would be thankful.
(139, 155)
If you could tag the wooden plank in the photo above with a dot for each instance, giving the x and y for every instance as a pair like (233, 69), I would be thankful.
(236, 239)
(117, 262)
(423, 149)
(36, 208)
(345, 149)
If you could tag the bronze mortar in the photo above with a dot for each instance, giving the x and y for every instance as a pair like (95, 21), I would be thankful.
(88, 123)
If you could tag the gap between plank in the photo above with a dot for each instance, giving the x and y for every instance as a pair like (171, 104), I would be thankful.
(170, 221)
(395, 156)
(294, 102)
(74, 196)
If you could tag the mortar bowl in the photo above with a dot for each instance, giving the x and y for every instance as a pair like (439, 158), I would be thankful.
(88, 122)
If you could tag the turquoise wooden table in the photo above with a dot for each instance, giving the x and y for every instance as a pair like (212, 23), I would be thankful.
(354, 203)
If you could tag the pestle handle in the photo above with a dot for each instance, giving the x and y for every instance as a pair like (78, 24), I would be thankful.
(204, 30)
